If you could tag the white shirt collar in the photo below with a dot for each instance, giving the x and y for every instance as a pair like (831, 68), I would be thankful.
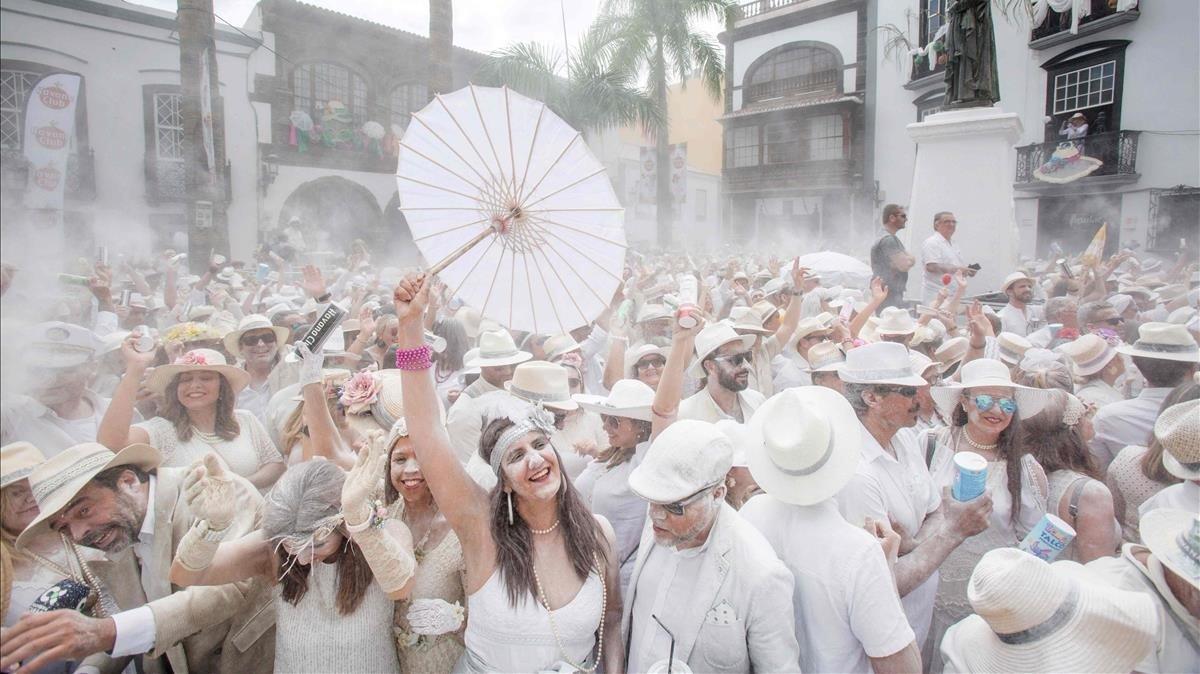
(147, 531)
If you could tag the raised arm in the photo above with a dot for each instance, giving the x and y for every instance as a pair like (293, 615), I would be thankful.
(116, 430)
(324, 440)
(791, 318)
(460, 498)
(879, 293)
(670, 385)
(981, 329)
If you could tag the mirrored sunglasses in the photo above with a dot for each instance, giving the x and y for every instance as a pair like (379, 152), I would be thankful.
(984, 402)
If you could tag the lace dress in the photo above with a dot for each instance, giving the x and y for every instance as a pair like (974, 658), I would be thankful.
(439, 576)
(505, 638)
(244, 454)
(951, 605)
(1126, 479)
(312, 637)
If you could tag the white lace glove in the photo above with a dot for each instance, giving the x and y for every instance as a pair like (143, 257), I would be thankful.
(363, 482)
(210, 493)
(311, 365)
(434, 616)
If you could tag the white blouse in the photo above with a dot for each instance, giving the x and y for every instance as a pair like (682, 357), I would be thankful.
(245, 454)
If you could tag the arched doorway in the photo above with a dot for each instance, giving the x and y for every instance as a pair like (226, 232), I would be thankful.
(332, 212)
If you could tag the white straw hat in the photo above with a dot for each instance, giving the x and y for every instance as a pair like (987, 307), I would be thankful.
(895, 321)
(879, 363)
(1012, 347)
(496, 348)
(628, 398)
(559, 345)
(1037, 617)
(1164, 341)
(198, 359)
(684, 459)
(1178, 429)
(713, 337)
(1089, 354)
(1013, 278)
(653, 312)
(809, 447)
(747, 320)
(921, 363)
(1173, 537)
(988, 372)
(538, 381)
(253, 322)
(825, 357)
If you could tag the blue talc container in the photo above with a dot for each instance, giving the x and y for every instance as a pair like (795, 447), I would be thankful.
(1050, 537)
(970, 476)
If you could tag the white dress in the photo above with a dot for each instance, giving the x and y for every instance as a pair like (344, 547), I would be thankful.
(245, 454)
(606, 491)
(501, 637)
(313, 637)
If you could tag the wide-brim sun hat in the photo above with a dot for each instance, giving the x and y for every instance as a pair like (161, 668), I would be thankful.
(539, 381)
(56, 481)
(233, 340)
(1178, 430)
(881, 363)
(988, 373)
(629, 398)
(713, 337)
(1088, 354)
(197, 360)
(895, 321)
(17, 461)
(684, 459)
(1173, 537)
(748, 320)
(1164, 341)
(1031, 616)
(808, 447)
(496, 349)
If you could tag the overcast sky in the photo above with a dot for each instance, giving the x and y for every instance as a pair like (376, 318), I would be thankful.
(481, 25)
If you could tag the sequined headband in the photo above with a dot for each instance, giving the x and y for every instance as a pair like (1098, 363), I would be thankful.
(536, 419)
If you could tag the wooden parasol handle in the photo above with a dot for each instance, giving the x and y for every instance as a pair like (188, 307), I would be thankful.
(460, 251)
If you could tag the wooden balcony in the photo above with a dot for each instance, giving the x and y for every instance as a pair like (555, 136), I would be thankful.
(801, 177)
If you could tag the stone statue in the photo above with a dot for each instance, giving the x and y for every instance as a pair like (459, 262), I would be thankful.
(972, 79)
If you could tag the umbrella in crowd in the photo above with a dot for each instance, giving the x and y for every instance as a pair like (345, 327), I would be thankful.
(518, 210)
(837, 269)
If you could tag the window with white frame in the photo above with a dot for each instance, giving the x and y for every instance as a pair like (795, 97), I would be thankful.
(168, 126)
(15, 88)
(741, 147)
(1084, 88)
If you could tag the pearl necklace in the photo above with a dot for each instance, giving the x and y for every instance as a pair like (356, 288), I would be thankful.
(207, 438)
(543, 532)
(554, 628)
(978, 445)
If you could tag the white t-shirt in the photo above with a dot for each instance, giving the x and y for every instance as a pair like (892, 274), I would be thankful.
(845, 601)
(937, 250)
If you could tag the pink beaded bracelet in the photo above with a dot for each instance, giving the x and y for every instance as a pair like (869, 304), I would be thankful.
(414, 359)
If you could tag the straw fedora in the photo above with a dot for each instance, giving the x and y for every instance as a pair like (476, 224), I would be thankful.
(58, 479)
(628, 398)
(809, 445)
(766, 310)
(951, 353)
(1178, 429)
(538, 381)
(470, 318)
(879, 363)
(1031, 616)
(1088, 354)
(713, 337)
(807, 326)
(558, 346)
(1011, 347)
(233, 340)
(924, 334)
(194, 360)
(632, 356)
(746, 320)
(17, 461)
(685, 458)
(496, 348)
(1164, 341)
(1013, 278)
(895, 321)
(985, 372)
(1173, 537)
(825, 357)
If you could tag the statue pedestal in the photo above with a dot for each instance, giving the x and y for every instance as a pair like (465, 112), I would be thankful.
(965, 164)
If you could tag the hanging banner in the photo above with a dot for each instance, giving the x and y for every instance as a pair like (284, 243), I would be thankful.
(206, 118)
(49, 127)
(647, 188)
(679, 172)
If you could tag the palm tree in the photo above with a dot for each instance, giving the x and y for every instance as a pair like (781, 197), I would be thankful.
(585, 91)
(441, 46)
(656, 37)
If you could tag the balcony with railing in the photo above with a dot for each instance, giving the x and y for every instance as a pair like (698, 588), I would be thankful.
(1116, 149)
(756, 8)
(1056, 28)
(806, 176)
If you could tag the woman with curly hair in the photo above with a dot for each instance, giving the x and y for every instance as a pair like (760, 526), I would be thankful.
(197, 416)
(541, 571)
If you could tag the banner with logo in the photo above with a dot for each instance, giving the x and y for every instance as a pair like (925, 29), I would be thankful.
(679, 172)
(49, 127)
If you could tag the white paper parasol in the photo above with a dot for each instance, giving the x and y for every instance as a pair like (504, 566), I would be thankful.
(511, 201)
(837, 269)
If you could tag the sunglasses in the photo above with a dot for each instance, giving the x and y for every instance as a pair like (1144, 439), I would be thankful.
(678, 507)
(905, 391)
(264, 338)
(737, 358)
(1114, 321)
(984, 402)
(657, 363)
